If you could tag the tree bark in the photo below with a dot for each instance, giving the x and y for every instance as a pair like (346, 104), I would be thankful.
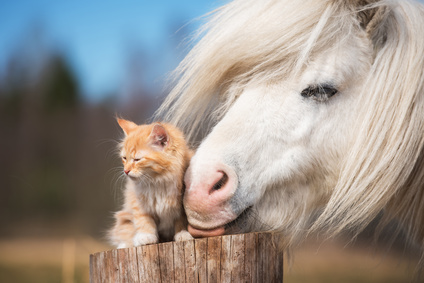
(252, 257)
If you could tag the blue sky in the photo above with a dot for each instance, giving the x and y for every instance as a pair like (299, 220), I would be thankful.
(97, 35)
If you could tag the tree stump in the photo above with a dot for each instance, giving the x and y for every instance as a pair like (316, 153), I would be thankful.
(252, 257)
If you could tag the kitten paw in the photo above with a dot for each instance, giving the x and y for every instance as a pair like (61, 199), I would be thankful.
(183, 236)
(141, 239)
(122, 246)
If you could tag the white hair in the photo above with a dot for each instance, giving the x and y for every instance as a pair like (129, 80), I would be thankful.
(228, 58)
(384, 170)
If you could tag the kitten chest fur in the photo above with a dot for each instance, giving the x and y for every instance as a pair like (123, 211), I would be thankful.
(161, 199)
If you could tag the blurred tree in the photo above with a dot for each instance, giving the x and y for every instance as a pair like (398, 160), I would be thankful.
(57, 170)
(36, 164)
(61, 86)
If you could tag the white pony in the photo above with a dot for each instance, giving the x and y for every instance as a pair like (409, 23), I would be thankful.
(314, 115)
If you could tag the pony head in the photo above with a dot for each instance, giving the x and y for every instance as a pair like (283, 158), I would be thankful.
(314, 114)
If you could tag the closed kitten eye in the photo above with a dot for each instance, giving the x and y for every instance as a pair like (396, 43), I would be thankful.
(137, 159)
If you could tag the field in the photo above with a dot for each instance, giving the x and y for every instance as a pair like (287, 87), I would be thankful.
(66, 260)
(47, 260)
(334, 262)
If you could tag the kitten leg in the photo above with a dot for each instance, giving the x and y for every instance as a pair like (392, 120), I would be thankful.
(146, 230)
(123, 232)
(181, 233)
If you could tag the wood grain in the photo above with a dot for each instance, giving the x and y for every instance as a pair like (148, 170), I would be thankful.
(252, 257)
(179, 262)
(190, 262)
(200, 247)
(226, 263)
(237, 256)
(213, 255)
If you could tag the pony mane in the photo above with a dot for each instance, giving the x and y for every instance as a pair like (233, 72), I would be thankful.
(228, 58)
(384, 169)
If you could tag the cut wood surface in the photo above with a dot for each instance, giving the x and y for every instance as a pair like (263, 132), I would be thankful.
(252, 257)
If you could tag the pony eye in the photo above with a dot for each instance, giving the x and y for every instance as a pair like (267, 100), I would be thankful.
(319, 92)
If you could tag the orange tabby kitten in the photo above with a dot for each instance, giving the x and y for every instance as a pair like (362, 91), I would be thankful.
(155, 158)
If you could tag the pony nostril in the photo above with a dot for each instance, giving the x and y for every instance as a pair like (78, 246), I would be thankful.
(221, 182)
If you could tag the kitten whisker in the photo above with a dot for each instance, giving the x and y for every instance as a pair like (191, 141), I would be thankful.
(112, 149)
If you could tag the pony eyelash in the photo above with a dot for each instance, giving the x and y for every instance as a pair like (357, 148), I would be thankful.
(321, 92)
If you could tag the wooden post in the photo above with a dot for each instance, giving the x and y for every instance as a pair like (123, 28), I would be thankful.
(252, 257)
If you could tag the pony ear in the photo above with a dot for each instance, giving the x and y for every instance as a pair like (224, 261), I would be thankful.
(159, 137)
(370, 14)
(126, 126)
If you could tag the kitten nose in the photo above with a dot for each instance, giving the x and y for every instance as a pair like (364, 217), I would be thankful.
(127, 171)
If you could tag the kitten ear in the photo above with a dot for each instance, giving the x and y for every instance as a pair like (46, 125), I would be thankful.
(159, 137)
(127, 126)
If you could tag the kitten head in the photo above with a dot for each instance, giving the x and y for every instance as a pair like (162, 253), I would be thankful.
(152, 150)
